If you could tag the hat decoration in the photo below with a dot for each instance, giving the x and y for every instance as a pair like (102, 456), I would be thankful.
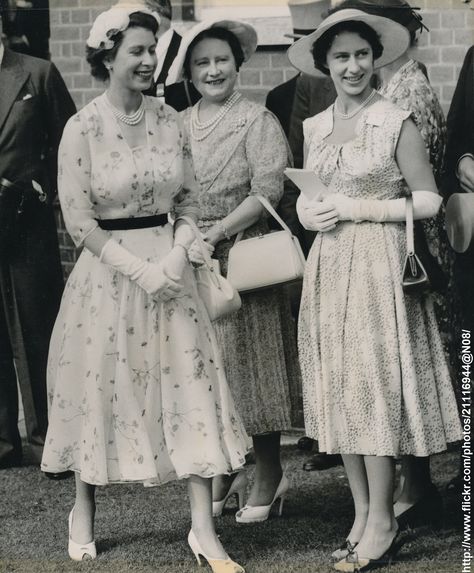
(112, 21)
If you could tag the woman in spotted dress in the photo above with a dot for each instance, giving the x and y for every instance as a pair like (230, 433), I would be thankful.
(375, 380)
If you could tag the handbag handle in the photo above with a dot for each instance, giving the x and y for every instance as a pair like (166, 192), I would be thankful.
(409, 226)
(272, 212)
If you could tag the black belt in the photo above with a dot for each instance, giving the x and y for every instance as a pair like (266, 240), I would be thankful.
(133, 222)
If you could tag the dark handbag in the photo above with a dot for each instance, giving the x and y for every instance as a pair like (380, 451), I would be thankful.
(414, 276)
(437, 277)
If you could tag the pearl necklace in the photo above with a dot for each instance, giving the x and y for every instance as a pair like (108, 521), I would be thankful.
(355, 111)
(206, 128)
(134, 118)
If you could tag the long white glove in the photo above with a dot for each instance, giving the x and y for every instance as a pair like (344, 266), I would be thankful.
(154, 278)
(425, 205)
(316, 215)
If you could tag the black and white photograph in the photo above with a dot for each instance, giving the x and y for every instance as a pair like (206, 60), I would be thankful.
(236, 286)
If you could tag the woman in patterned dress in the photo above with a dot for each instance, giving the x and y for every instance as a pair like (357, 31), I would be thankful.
(405, 83)
(375, 380)
(137, 386)
(239, 151)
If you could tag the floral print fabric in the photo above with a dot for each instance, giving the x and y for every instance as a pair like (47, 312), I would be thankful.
(246, 155)
(137, 386)
(371, 357)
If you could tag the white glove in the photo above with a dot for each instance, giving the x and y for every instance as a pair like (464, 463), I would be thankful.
(425, 205)
(195, 253)
(151, 277)
(175, 262)
(316, 215)
(183, 234)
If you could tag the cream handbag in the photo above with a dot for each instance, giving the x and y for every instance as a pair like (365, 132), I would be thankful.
(219, 296)
(265, 261)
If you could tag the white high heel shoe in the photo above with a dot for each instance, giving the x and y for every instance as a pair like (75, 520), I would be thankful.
(80, 551)
(256, 513)
(217, 565)
(238, 488)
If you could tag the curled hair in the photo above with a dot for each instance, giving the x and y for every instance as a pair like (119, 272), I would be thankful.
(323, 44)
(215, 33)
(97, 56)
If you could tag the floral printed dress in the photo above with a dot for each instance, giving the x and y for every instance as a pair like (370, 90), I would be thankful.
(136, 385)
(246, 155)
(375, 379)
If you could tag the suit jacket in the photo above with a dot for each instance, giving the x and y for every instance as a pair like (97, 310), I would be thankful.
(460, 123)
(175, 95)
(34, 107)
(312, 95)
(280, 102)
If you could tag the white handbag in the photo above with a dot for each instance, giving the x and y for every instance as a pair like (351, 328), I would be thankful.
(219, 296)
(265, 261)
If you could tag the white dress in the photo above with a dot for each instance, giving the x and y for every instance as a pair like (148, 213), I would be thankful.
(137, 386)
(375, 379)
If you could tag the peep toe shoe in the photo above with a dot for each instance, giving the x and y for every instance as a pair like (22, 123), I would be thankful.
(257, 513)
(353, 562)
(217, 565)
(343, 550)
(238, 488)
(80, 551)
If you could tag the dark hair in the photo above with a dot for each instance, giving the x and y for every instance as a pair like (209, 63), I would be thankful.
(163, 7)
(323, 44)
(397, 10)
(216, 34)
(97, 56)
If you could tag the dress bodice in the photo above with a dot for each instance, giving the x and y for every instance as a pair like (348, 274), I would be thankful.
(244, 155)
(102, 177)
(365, 166)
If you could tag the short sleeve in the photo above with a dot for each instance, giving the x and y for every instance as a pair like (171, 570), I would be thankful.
(186, 202)
(268, 155)
(74, 181)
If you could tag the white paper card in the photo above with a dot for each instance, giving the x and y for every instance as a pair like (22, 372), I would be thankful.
(308, 182)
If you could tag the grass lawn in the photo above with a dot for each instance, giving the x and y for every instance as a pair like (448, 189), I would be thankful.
(141, 530)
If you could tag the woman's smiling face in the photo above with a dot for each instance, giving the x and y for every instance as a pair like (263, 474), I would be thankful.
(213, 69)
(350, 62)
(135, 60)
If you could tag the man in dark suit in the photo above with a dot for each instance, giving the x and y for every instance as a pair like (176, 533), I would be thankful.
(34, 107)
(180, 95)
(29, 27)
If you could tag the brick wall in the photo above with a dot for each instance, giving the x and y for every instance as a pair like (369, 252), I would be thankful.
(451, 24)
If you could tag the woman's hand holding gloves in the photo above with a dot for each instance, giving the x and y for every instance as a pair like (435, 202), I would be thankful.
(195, 253)
(160, 279)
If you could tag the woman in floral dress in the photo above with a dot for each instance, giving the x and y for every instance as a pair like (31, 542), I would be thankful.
(375, 380)
(137, 387)
(239, 151)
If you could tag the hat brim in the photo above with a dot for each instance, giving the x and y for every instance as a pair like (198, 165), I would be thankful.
(245, 34)
(394, 38)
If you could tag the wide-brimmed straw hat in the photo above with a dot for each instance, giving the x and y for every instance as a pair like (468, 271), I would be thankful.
(245, 34)
(306, 15)
(394, 38)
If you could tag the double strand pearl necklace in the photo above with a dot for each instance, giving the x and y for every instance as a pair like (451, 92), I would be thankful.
(134, 118)
(200, 131)
(355, 111)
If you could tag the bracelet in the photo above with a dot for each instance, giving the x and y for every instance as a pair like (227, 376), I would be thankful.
(223, 230)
